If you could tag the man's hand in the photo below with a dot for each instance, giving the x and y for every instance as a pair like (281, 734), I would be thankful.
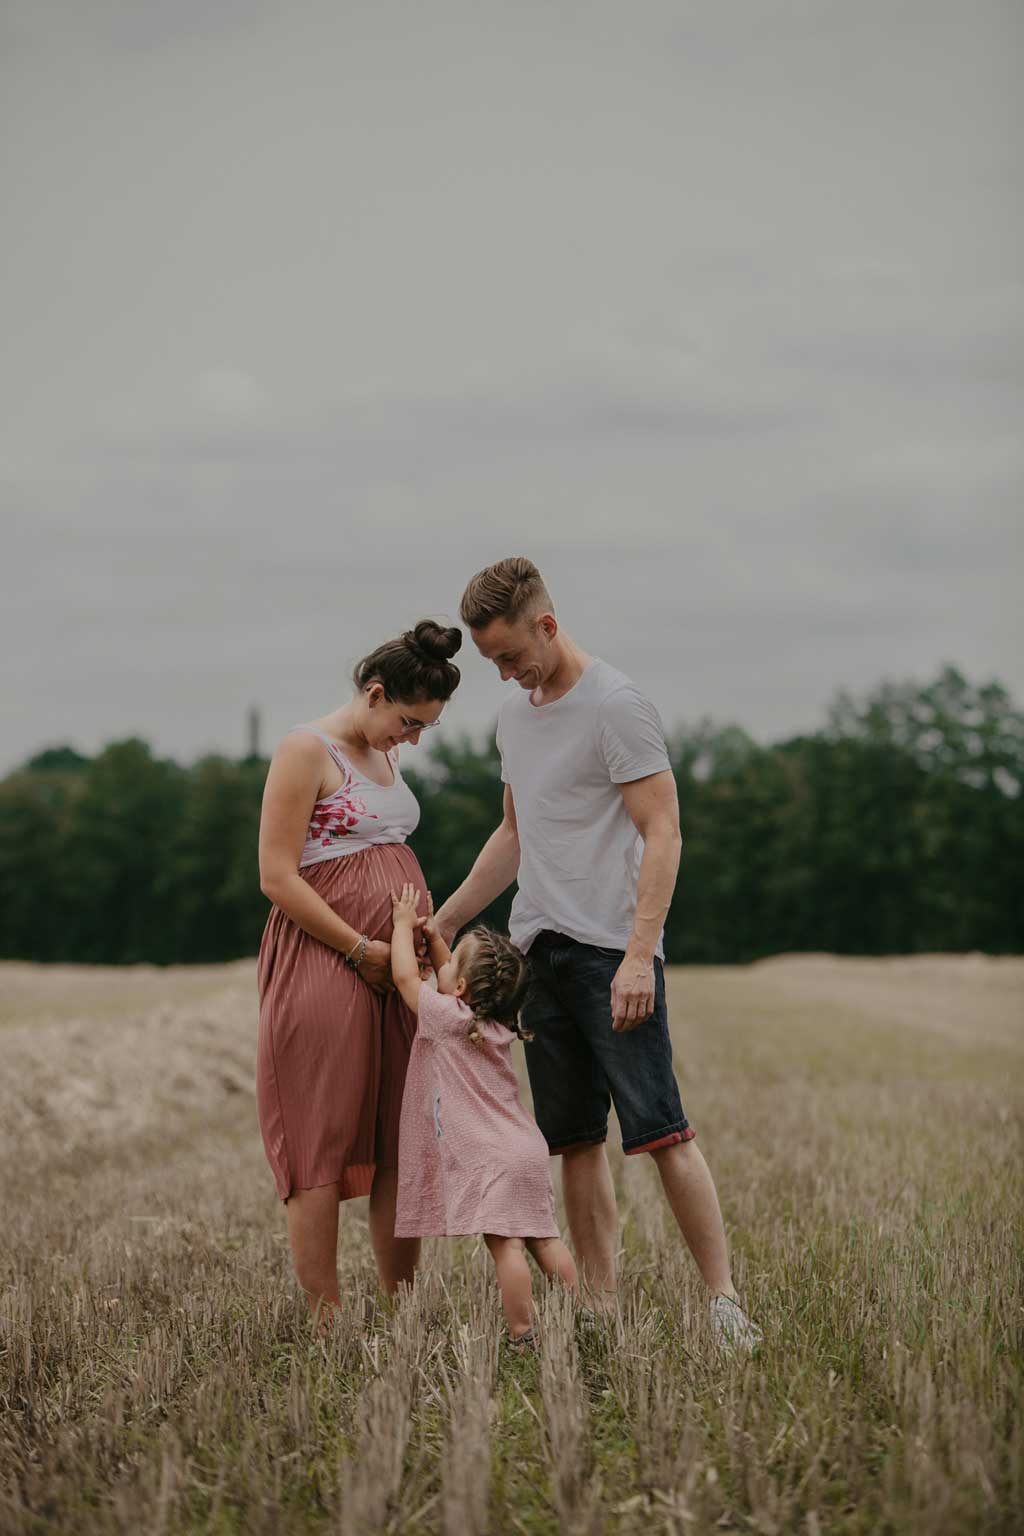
(444, 925)
(632, 992)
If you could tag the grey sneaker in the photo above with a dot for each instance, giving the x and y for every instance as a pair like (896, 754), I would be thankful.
(733, 1330)
(524, 1344)
(588, 1322)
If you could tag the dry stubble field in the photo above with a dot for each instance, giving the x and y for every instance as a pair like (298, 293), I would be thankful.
(157, 1373)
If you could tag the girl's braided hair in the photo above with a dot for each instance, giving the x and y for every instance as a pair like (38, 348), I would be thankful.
(497, 977)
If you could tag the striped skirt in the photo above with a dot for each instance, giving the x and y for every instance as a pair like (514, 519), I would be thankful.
(332, 1054)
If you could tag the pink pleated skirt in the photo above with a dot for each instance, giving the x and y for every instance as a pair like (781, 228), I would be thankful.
(332, 1055)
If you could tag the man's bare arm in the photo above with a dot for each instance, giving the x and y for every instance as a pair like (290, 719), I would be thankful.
(497, 865)
(653, 806)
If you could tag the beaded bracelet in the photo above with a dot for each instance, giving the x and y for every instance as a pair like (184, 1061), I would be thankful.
(355, 959)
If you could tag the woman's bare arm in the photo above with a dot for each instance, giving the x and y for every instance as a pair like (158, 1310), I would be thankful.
(291, 790)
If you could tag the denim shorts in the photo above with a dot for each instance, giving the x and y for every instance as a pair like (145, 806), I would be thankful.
(579, 1065)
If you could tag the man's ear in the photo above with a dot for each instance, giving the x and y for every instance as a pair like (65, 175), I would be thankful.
(547, 624)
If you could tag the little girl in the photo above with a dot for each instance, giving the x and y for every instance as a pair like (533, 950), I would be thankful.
(470, 1157)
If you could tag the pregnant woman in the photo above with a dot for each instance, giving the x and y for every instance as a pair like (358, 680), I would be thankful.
(334, 1035)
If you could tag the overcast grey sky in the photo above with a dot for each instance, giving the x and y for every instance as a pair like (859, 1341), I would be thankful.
(715, 309)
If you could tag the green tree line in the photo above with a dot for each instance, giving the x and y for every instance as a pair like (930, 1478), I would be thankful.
(897, 828)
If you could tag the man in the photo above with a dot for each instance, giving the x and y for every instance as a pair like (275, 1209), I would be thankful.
(590, 830)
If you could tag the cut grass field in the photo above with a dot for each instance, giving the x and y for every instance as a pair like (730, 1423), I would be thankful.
(158, 1373)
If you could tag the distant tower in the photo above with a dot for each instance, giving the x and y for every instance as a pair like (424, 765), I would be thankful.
(254, 731)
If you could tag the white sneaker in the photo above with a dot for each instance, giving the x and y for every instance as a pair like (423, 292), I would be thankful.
(732, 1327)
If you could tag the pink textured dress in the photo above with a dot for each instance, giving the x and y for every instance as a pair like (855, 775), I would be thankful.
(471, 1158)
(331, 1057)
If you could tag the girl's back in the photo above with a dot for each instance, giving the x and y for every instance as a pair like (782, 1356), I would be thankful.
(471, 1158)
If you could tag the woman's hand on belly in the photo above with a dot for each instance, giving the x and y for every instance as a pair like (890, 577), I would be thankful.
(375, 967)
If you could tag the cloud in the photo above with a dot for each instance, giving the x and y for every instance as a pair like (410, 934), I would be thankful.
(231, 394)
(720, 321)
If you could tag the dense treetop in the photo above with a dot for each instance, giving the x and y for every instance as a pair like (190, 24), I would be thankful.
(899, 827)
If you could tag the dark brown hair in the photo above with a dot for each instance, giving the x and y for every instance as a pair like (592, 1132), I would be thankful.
(415, 666)
(507, 590)
(497, 978)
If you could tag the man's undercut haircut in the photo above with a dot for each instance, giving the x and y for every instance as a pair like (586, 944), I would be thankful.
(512, 589)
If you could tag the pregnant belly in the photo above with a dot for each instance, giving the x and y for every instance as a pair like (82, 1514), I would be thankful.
(358, 886)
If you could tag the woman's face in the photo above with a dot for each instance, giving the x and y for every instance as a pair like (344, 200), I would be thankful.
(391, 722)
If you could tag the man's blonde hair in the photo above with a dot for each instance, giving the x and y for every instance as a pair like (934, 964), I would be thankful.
(509, 590)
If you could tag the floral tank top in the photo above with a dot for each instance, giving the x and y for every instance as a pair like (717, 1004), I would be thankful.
(360, 813)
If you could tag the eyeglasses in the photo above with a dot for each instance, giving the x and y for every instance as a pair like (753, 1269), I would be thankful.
(413, 725)
(417, 725)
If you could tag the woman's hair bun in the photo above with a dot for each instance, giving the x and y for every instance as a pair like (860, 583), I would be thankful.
(416, 666)
(433, 642)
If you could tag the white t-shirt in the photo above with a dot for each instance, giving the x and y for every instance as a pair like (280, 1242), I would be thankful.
(579, 851)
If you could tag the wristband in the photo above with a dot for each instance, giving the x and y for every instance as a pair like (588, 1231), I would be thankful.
(355, 958)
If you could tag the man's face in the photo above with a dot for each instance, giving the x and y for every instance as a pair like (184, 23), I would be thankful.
(522, 650)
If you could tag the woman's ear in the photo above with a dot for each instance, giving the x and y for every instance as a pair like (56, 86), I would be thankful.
(374, 693)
